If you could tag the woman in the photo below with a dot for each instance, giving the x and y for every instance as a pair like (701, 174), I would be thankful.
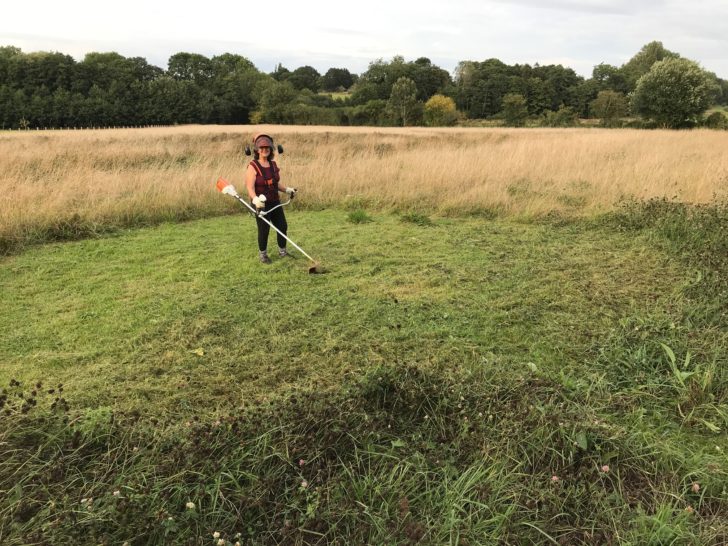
(262, 180)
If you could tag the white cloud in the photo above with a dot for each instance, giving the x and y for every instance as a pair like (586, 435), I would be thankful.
(321, 33)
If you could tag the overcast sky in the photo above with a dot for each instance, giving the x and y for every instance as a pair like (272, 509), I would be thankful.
(576, 33)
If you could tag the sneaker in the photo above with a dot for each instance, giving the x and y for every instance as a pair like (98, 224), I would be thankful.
(282, 252)
(263, 255)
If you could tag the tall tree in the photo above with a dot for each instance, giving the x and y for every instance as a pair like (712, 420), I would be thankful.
(275, 99)
(337, 78)
(281, 73)
(674, 92)
(515, 110)
(232, 90)
(190, 66)
(610, 77)
(640, 64)
(403, 101)
(429, 78)
(305, 77)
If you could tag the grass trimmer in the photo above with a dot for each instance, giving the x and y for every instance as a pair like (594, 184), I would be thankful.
(227, 188)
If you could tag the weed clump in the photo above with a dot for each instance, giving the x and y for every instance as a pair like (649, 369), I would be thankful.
(358, 216)
(418, 219)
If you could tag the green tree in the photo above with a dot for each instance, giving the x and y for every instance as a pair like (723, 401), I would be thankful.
(440, 111)
(280, 73)
(674, 92)
(716, 120)
(403, 101)
(190, 66)
(231, 94)
(373, 112)
(642, 62)
(429, 78)
(480, 87)
(380, 77)
(609, 106)
(275, 101)
(538, 95)
(364, 91)
(723, 91)
(515, 110)
(610, 77)
(305, 77)
(565, 116)
(336, 79)
(12, 107)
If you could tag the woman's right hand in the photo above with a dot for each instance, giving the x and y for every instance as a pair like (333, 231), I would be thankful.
(259, 201)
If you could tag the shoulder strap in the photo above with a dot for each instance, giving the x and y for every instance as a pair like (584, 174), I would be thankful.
(257, 167)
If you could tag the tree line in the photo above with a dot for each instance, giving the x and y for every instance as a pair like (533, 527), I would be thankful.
(51, 89)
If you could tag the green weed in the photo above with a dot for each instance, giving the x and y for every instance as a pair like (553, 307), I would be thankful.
(417, 219)
(358, 216)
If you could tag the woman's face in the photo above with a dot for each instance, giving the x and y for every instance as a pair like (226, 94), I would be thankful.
(264, 152)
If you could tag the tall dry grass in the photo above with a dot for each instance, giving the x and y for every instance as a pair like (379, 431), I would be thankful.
(65, 184)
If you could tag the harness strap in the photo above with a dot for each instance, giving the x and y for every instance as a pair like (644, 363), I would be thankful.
(259, 169)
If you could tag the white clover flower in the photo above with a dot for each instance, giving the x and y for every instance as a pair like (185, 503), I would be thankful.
(221, 542)
(215, 535)
(190, 506)
(117, 493)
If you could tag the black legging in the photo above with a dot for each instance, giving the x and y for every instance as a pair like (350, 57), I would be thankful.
(278, 219)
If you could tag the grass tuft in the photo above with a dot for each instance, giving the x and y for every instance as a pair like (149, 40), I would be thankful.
(358, 216)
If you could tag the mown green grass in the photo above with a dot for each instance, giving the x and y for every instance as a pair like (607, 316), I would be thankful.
(433, 382)
(118, 319)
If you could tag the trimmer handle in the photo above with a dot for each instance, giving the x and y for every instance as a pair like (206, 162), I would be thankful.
(274, 208)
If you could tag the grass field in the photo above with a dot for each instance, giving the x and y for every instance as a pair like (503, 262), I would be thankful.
(73, 184)
(452, 379)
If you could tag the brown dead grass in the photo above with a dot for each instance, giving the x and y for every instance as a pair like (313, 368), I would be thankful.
(53, 182)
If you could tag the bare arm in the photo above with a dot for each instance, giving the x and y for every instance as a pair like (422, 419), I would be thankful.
(250, 181)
